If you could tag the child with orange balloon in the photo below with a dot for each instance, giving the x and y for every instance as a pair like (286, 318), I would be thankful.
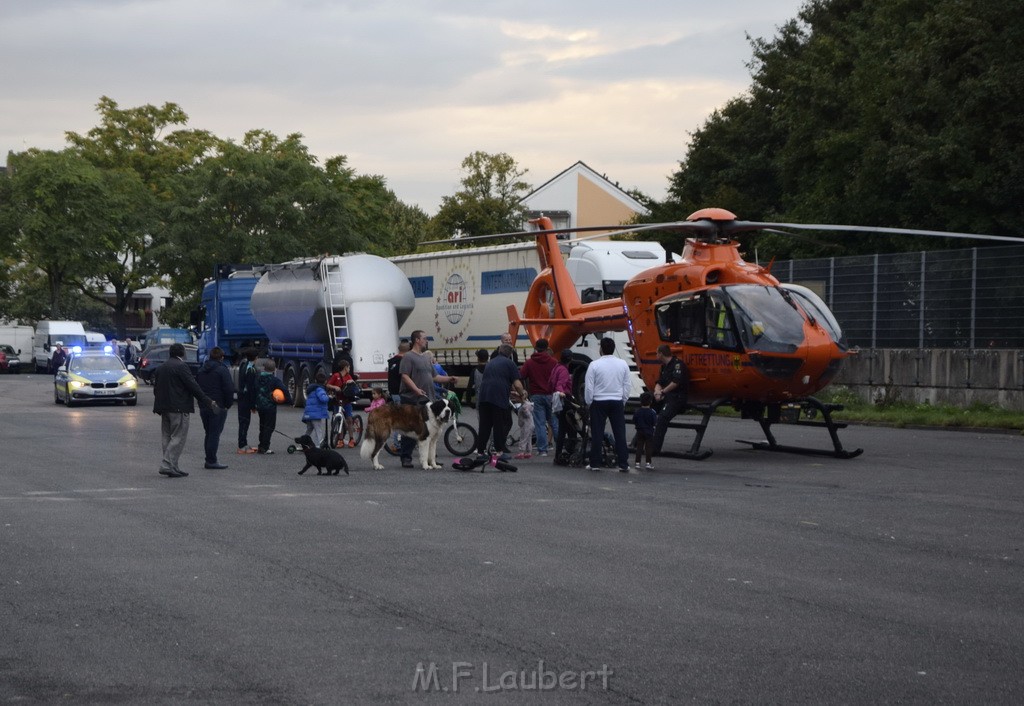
(270, 392)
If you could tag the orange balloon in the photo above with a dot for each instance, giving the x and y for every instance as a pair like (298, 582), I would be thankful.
(278, 396)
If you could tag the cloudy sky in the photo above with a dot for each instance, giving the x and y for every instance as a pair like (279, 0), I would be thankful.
(404, 88)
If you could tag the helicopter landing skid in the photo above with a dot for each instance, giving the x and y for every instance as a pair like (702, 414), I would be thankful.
(773, 415)
(694, 454)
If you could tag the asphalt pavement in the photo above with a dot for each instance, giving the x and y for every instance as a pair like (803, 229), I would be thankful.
(750, 577)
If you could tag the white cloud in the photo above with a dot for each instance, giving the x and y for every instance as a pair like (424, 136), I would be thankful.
(405, 89)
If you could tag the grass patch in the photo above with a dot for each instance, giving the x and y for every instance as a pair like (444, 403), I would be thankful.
(890, 410)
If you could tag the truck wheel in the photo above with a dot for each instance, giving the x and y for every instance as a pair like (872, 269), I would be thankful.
(289, 382)
(303, 385)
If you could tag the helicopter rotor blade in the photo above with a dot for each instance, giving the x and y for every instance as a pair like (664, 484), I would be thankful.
(708, 229)
(526, 234)
(745, 226)
(700, 228)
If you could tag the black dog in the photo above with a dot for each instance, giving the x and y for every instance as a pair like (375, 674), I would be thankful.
(321, 458)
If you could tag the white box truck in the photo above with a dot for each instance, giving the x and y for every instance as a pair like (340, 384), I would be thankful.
(19, 338)
(48, 334)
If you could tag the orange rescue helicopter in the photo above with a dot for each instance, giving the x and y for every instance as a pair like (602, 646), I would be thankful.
(748, 340)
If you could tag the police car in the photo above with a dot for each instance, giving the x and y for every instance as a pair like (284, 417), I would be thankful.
(94, 376)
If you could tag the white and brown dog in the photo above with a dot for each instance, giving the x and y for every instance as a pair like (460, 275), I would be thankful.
(408, 419)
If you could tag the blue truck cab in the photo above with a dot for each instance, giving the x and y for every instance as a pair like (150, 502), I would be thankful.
(224, 318)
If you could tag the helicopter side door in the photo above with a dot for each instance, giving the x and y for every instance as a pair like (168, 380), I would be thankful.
(703, 319)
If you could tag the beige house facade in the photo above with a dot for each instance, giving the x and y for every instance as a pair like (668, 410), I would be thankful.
(580, 197)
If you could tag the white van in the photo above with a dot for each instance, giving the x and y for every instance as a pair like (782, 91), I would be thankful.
(48, 333)
(17, 337)
(95, 340)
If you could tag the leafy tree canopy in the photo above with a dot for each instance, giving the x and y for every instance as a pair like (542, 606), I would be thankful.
(142, 199)
(875, 112)
(489, 200)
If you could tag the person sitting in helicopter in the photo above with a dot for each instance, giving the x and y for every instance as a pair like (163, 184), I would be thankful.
(720, 332)
(670, 390)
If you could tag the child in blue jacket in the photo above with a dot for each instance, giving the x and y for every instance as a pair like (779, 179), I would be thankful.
(315, 413)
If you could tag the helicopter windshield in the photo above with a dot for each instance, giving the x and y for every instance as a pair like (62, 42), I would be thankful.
(814, 306)
(767, 318)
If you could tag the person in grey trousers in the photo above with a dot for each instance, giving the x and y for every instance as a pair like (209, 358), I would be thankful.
(174, 388)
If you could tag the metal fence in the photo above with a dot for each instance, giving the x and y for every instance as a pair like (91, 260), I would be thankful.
(947, 299)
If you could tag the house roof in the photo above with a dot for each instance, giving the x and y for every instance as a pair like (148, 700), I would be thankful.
(581, 167)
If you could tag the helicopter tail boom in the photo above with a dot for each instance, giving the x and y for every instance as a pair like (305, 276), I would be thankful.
(553, 309)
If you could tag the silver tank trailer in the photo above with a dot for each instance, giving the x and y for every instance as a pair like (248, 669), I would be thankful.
(290, 302)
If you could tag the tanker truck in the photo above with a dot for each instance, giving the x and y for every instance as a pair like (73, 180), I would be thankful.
(462, 295)
(307, 308)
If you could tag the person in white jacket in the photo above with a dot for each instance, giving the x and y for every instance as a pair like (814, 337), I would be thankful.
(606, 390)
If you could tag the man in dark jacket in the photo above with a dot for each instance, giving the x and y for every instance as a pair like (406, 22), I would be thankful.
(247, 377)
(60, 356)
(173, 390)
(215, 380)
(395, 373)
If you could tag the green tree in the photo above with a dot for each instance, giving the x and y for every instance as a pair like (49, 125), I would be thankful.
(264, 200)
(401, 229)
(490, 200)
(57, 207)
(876, 113)
(141, 162)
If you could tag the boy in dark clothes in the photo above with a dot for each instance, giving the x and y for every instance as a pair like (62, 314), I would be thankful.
(644, 419)
(247, 377)
(476, 377)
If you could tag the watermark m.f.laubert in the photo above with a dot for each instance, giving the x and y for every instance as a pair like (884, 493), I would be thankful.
(463, 676)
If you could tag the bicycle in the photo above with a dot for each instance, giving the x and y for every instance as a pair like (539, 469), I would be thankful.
(338, 429)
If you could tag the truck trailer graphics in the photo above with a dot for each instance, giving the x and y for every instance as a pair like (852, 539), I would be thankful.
(461, 295)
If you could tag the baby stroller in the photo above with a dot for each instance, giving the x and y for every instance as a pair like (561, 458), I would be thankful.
(576, 450)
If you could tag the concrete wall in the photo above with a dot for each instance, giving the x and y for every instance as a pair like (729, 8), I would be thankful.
(939, 376)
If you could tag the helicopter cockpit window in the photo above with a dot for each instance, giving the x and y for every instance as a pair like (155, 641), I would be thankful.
(667, 316)
(766, 320)
(682, 321)
(817, 309)
(720, 330)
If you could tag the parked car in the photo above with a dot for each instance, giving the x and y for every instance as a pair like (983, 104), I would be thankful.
(156, 355)
(165, 334)
(10, 362)
(94, 376)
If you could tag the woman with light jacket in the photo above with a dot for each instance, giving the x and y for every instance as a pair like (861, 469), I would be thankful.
(561, 384)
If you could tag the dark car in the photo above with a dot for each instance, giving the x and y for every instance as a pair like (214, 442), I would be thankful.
(156, 355)
(9, 360)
